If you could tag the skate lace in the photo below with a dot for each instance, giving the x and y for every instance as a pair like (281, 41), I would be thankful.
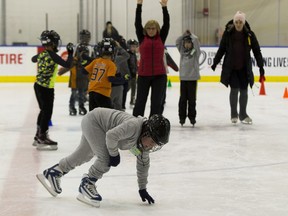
(58, 182)
(92, 189)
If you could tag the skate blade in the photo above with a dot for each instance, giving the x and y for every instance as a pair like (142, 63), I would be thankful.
(42, 180)
(82, 199)
(246, 123)
(35, 143)
(45, 147)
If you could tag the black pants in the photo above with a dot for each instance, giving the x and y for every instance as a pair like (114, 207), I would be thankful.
(125, 91)
(158, 90)
(45, 99)
(98, 100)
(188, 92)
(77, 94)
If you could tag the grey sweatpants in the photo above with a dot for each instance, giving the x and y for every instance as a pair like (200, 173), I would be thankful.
(92, 144)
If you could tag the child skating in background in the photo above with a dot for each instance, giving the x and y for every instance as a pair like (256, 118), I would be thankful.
(132, 46)
(78, 81)
(123, 74)
(48, 61)
(189, 47)
(102, 72)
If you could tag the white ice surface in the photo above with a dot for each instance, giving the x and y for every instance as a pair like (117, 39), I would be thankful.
(214, 169)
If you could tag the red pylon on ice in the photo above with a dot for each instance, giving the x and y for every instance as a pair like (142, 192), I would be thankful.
(262, 89)
(285, 93)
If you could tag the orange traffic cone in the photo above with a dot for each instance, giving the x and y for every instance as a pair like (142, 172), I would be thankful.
(262, 89)
(285, 93)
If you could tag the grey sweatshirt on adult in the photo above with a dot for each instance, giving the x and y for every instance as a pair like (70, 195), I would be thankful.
(189, 61)
(105, 132)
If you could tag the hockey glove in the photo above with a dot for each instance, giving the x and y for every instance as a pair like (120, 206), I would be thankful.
(213, 67)
(262, 78)
(262, 72)
(145, 196)
(114, 161)
(69, 48)
(127, 77)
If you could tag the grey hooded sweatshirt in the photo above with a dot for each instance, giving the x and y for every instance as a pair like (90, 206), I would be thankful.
(189, 61)
(104, 133)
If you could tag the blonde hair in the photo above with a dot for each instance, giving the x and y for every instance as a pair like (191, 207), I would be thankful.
(151, 23)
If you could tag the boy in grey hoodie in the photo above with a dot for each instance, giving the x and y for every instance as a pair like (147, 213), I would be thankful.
(189, 47)
(105, 132)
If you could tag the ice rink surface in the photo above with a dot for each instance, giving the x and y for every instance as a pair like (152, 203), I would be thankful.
(214, 169)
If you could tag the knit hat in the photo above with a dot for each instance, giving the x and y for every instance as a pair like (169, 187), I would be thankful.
(239, 16)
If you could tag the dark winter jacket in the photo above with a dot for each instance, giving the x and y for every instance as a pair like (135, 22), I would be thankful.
(226, 48)
(132, 64)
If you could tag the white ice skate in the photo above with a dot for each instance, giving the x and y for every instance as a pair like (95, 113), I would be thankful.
(247, 120)
(88, 193)
(51, 179)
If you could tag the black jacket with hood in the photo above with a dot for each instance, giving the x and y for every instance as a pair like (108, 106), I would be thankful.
(226, 48)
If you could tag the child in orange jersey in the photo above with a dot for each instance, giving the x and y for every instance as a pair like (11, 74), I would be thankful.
(102, 72)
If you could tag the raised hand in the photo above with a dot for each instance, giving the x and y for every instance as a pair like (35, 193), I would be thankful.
(163, 3)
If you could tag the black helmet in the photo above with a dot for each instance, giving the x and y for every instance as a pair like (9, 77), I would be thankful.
(132, 42)
(187, 38)
(84, 36)
(159, 129)
(50, 38)
(107, 47)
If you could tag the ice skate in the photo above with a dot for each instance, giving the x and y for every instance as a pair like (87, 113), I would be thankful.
(72, 111)
(247, 120)
(88, 193)
(36, 137)
(234, 120)
(45, 143)
(35, 142)
(51, 179)
(182, 122)
(193, 122)
(82, 110)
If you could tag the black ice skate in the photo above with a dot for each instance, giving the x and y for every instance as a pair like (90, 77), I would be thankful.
(193, 122)
(72, 111)
(82, 110)
(45, 143)
(182, 122)
(36, 137)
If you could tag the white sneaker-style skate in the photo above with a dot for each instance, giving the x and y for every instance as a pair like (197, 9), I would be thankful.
(247, 120)
(88, 193)
(51, 179)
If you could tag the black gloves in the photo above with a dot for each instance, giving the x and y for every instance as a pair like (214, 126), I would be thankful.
(114, 161)
(262, 72)
(69, 48)
(213, 67)
(145, 196)
(262, 77)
